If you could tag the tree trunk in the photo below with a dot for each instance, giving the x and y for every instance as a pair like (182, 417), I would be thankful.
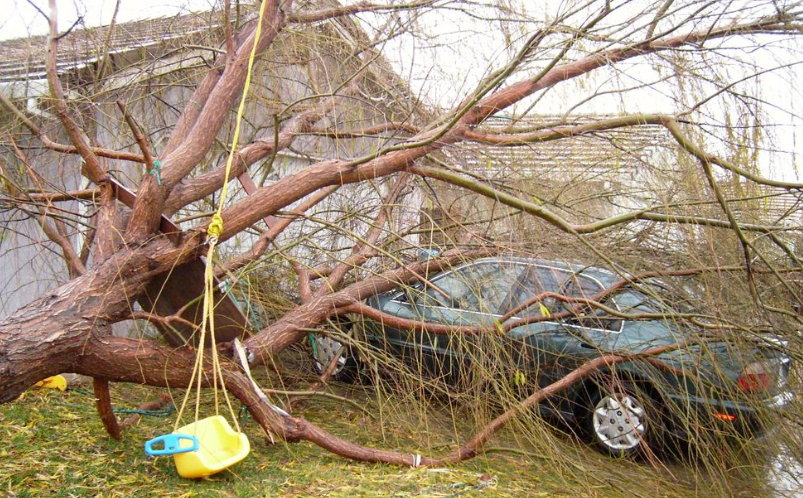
(46, 337)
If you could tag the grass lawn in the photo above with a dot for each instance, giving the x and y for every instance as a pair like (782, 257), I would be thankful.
(54, 445)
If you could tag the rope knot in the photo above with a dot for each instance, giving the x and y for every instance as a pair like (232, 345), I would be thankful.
(215, 228)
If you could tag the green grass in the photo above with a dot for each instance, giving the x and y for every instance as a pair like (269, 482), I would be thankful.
(54, 445)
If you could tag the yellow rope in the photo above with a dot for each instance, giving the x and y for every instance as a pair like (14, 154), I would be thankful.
(214, 231)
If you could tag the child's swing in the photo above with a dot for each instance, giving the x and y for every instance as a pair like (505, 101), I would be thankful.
(209, 445)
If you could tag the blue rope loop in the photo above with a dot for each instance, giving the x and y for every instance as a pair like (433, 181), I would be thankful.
(152, 413)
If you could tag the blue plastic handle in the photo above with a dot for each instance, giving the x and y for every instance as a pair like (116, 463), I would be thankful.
(172, 444)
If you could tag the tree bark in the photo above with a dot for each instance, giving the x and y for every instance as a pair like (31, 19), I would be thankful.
(45, 337)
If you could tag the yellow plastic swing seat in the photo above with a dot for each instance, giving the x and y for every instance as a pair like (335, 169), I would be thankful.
(220, 447)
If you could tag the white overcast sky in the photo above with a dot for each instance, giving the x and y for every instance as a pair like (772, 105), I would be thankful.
(25, 20)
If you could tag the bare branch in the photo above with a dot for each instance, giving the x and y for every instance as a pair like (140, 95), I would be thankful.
(49, 227)
(91, 167)
(138, 136)
(69, 149)
(358, 8)
(261, 245)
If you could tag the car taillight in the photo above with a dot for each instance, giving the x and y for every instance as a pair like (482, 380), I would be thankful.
(755, 378)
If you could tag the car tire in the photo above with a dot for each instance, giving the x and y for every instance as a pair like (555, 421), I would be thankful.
(325, 350)
(622, 420)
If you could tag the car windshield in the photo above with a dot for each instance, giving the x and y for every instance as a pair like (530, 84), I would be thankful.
(480, 287)
(498, 287)
(656, 296)
(632, 301)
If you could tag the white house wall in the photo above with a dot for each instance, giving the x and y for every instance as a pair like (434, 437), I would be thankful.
(31, 265)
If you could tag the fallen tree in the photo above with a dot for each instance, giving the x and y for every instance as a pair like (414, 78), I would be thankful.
(68, 328)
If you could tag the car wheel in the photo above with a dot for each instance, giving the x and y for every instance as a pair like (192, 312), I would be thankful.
(622, 421)
(326, 350)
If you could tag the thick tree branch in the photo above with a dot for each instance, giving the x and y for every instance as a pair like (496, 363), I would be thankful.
(149, 205)
(396, 158)
(193, 189)
(517, 91)
(103, 403)
(475, 444)
(146, 363)
(290, 328)
(68, 329)
(347, 10)
(67, 316)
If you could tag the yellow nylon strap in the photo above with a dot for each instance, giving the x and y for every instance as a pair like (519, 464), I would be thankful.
(216, 226)
(214, 231)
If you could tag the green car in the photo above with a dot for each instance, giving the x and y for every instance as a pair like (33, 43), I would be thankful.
(546, 318)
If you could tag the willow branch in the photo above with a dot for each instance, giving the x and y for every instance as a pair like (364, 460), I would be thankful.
(475, 444)
(398, 157)
(57, 147)
(369, 131)
(290, 328)
(138, 136)
(91, 167)
(365, 248)
(560, 223)
(561, 132)
(74, 265)
(161, 320)
(73, 195)
(269, 235)
(674, 128)
(193, 189)
(358, 8)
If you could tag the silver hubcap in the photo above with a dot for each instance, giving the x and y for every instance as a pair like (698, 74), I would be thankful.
(326, 350)
(619, 423)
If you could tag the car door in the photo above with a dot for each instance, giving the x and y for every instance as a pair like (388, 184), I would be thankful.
(468, 296)
(589, 330)
(536, 347)
(551, 348)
